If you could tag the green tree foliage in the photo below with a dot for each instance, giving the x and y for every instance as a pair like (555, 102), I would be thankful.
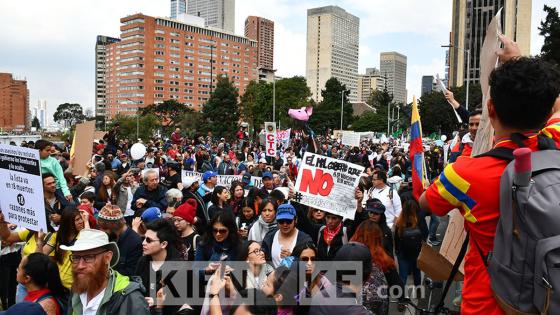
(69, 114)
(35, 123)
(327, 113)
(291, 93)
(191, 122)
(147, 125)
(256, 104)
(550, 29)
(170, 112)
(377, 121)
(221, 113)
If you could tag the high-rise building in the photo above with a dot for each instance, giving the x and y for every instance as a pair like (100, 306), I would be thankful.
(100, 69)
(332, 49)
(178, 7)
(262, 30)
(40, 111)
(470, 18)
(393, 68)
(427, 84)
(369, 82)
(216, 13)
(14, 103)
(160, 59)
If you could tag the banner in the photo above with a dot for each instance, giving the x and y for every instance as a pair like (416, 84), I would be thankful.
(224, 180)
(270, 138)
(328, 184)
(81, 146)
(22, 201)
(283, 136)
(351, 138)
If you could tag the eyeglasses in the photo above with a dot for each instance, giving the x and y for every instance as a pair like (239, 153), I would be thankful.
(307, 259)
(257, 251)
(285, 221)
(220, 231)
(148, 240)
(88, 259)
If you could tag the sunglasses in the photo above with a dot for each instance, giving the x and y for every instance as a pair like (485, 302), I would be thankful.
(285, 221)
(220, 231)
(148, 240)
(307, 259)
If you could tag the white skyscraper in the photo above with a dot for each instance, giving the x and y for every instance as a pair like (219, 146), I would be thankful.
(332, 49)
(393, 67)
(178, 7)
(216, 13)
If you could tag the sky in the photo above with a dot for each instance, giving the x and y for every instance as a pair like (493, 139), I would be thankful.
(52, 43)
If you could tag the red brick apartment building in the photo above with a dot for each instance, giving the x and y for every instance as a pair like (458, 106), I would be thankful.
(14, 103)
(159, 59)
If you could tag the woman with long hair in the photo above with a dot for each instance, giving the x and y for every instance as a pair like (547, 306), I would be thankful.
(265, 222)
(408, 241)
(383, 272)
(252, 253)
(219, 199)
(245, 218)
(307, 254)
(39, 274)
(106, 193)
(237, 194)
(219, 243)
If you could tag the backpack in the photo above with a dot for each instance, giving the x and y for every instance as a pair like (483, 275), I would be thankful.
(524, 265)
(411, 241)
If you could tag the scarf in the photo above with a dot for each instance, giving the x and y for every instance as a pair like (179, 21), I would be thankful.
(329, 235)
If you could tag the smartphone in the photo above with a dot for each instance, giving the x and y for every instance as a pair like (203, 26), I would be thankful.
(223, 258)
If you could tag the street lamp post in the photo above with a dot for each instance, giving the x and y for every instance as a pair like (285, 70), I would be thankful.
(341, 108)
(468, 52)
(274, 96)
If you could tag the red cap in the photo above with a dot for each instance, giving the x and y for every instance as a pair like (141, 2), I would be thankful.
(186, 211)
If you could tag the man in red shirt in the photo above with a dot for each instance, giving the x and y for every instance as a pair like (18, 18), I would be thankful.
(523, 92)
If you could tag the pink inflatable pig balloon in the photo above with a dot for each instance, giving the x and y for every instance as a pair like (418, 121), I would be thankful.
(301, 114)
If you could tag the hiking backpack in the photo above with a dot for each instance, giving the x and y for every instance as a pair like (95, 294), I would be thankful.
(524, 265)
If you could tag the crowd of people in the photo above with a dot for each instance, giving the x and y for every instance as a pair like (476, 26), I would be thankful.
(124, 220)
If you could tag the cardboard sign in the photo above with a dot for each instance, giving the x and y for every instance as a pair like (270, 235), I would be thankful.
(270, 138)
(328, 184)
(350, 138)
(81, 146)
(224, 180)
(22, 201)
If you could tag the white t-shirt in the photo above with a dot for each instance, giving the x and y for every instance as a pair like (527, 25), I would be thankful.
(91, 307)
(130, 196)
(277, 249)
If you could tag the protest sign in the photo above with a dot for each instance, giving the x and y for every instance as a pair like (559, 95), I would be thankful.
(22, 201)
(224, 180)
(443, 89)
(351, 138)
(328, 184)
(81, 146)
(283, 136)
(270, 138)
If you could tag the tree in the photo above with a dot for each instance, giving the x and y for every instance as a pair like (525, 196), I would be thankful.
(169, 112)
(327, 113)
(377, 121)
(256, 104)
(35, 123)
(147, 125)
(550, 29)
(291, 93)
(69, 114)
(221, 113)
(191, 121)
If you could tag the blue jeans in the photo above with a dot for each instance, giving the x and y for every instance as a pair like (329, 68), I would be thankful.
(434, 224)
(407, 266)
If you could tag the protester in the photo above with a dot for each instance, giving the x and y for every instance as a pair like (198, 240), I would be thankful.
(408, 241)
(150, 194)
(387, 195)
(184, 219)
(252, 253)
(50, 165)
(266, 221)
(219, 199)
(220, 243)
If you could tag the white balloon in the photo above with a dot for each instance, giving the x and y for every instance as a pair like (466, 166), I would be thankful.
(443, 138)
(137, 151)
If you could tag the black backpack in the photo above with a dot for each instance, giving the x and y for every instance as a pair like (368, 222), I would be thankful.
(411, 241)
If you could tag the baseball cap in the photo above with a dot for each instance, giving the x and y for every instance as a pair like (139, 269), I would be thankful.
(286, 212)
(262, 160)
(188, 181)
(267, 174)
(375, 205)
(207, 175)
(246, 179)
(151, 214)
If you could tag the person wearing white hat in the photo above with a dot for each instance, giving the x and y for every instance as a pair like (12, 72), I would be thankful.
(97, 288)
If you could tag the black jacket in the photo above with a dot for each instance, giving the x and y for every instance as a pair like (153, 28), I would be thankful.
(155, 198)
(130, 249)
(266, 245)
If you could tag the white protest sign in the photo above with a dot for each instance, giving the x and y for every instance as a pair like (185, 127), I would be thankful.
(328, 184)
(224, 180)
(270, 138)
(443, 89)
(22, 201)
(351, 138)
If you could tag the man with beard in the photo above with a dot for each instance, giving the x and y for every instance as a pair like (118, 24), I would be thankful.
(97, 288)
(111, 221)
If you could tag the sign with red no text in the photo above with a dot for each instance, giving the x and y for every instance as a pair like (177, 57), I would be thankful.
(328, 184)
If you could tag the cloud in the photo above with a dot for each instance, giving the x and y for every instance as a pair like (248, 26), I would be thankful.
(416, 71)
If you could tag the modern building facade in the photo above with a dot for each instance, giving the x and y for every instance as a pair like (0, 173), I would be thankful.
(369, 82)
(14, 103)
(40, 111)
(178, 7)
(160, 59)
(427, 84)
(332, 49)
(216, 13)
(470, 18)
(262, 30)
(393, 68)
(100, 71)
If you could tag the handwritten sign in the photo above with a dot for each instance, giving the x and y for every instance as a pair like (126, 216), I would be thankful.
(22, 201)
(328, 184)
(351, 139)
(224, 180)
(270, 138)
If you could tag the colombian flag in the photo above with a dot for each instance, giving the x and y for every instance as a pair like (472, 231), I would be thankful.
(419, 179)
